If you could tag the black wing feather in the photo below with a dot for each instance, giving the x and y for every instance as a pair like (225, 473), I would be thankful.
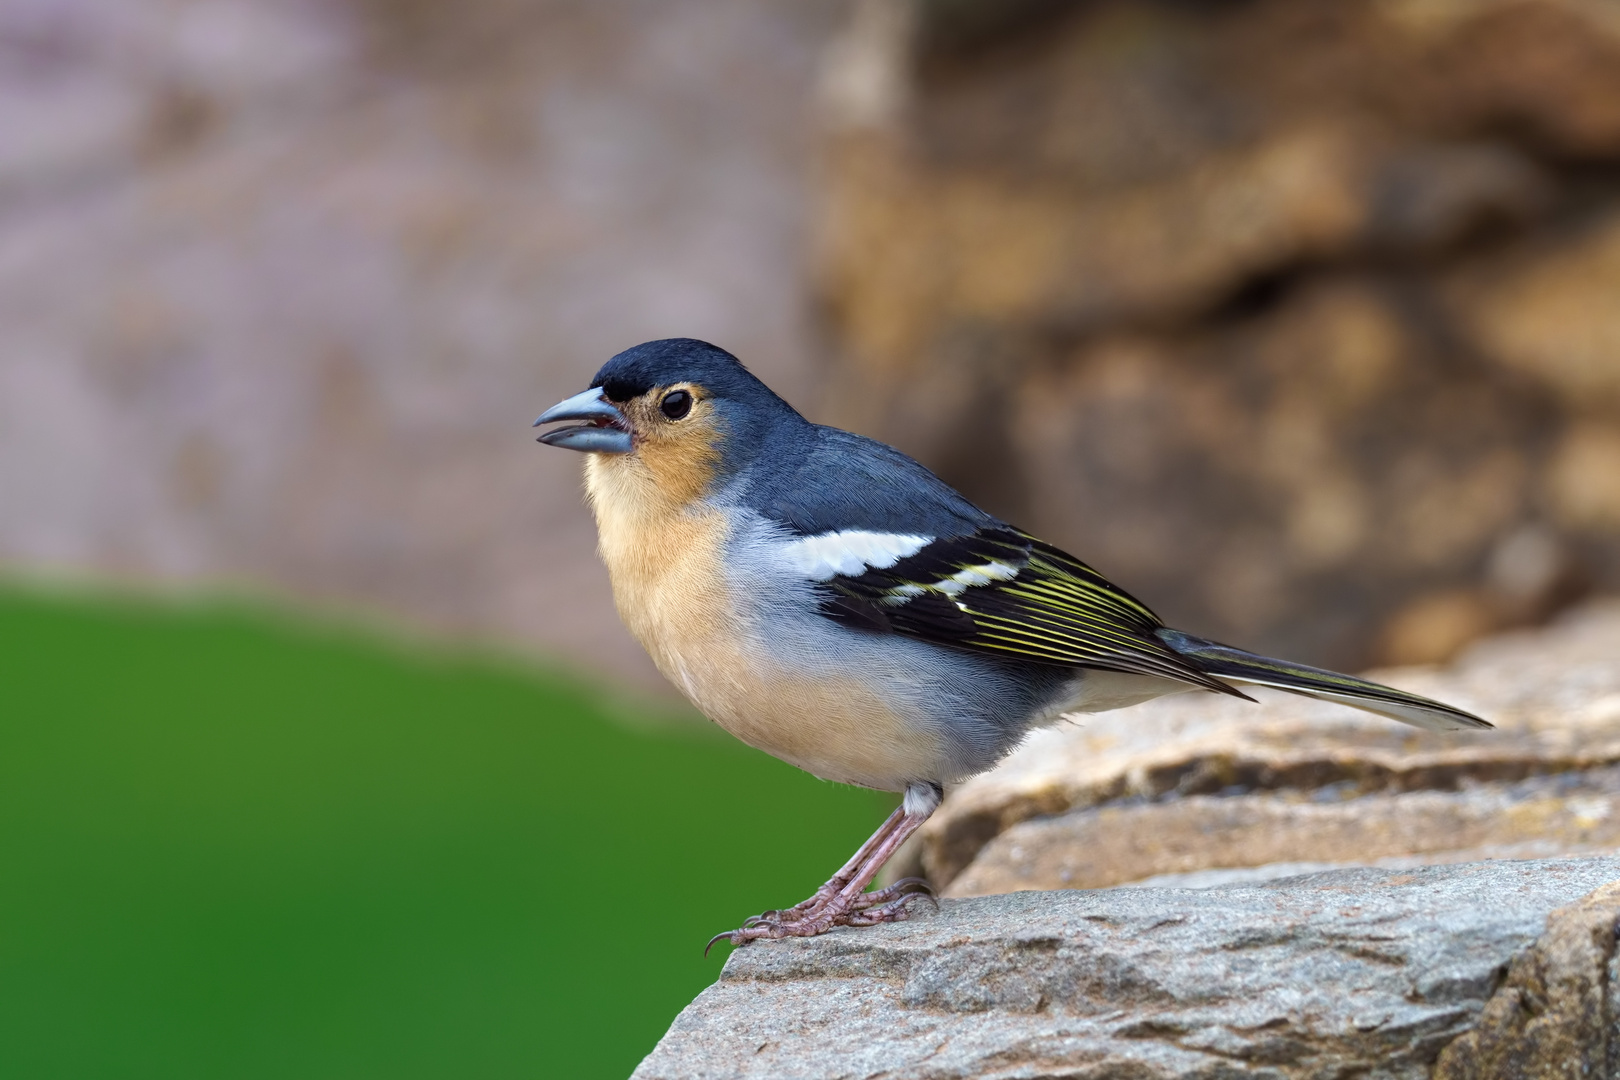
(999, 591)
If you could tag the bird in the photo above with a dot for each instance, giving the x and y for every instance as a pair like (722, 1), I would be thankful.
(830, 601)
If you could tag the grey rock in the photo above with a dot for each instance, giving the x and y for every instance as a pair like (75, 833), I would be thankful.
(1552, 1015)
(1357, 972)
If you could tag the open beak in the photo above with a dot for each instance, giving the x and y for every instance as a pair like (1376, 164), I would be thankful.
(603, 432)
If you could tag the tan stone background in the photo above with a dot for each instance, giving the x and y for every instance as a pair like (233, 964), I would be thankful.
(284, 282)
(1300, 319)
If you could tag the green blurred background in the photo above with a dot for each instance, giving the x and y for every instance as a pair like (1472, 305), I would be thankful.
(235, 845)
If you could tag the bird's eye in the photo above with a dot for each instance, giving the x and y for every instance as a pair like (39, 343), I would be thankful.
(676, 404)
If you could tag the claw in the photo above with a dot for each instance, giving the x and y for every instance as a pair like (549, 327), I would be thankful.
(924, 891)
(893, 911)
(727, 934)
(890, 892)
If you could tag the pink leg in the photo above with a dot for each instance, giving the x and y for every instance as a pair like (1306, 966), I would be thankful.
(838, 880)
(843, 901)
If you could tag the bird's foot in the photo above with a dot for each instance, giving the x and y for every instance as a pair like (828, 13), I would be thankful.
(823, 896)
(826, 909)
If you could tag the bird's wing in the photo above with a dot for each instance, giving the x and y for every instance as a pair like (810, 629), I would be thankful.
(992, 590)
(891, 548)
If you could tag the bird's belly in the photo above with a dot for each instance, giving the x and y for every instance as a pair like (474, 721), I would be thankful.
(839, 726)
(757, 674)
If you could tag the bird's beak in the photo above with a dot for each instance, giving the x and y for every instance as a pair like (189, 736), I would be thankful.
(604, 431)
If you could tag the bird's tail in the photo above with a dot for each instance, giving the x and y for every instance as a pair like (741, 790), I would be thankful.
(1225, 662)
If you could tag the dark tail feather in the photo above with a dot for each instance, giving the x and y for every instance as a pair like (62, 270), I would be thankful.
(1225, 662)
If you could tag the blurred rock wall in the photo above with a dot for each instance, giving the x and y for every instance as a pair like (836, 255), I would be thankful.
(1301, 320)
(283, 282)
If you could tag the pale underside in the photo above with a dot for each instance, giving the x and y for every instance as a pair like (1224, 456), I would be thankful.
(760, 662)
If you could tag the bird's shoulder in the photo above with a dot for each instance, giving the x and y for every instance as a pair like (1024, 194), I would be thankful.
(826, 480)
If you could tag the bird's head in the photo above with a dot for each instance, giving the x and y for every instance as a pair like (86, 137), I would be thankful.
(680, 413)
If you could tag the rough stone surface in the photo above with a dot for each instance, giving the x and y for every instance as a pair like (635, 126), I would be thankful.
(1303, 781)
(1553, 1016)
(1348, 973)
(1293, 318)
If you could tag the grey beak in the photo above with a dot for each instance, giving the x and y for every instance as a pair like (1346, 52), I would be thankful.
(604, 430)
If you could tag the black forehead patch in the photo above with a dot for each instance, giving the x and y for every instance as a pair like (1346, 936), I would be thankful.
(627, 387)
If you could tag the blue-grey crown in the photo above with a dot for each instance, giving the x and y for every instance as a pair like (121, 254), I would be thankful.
(674, 360)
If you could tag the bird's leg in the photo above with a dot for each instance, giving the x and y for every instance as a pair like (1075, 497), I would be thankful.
(843, 899)
(835, 883)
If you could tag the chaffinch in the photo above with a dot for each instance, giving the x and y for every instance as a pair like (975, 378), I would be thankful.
(828, 600)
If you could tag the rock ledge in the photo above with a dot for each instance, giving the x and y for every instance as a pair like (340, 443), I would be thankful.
(1352, 972)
